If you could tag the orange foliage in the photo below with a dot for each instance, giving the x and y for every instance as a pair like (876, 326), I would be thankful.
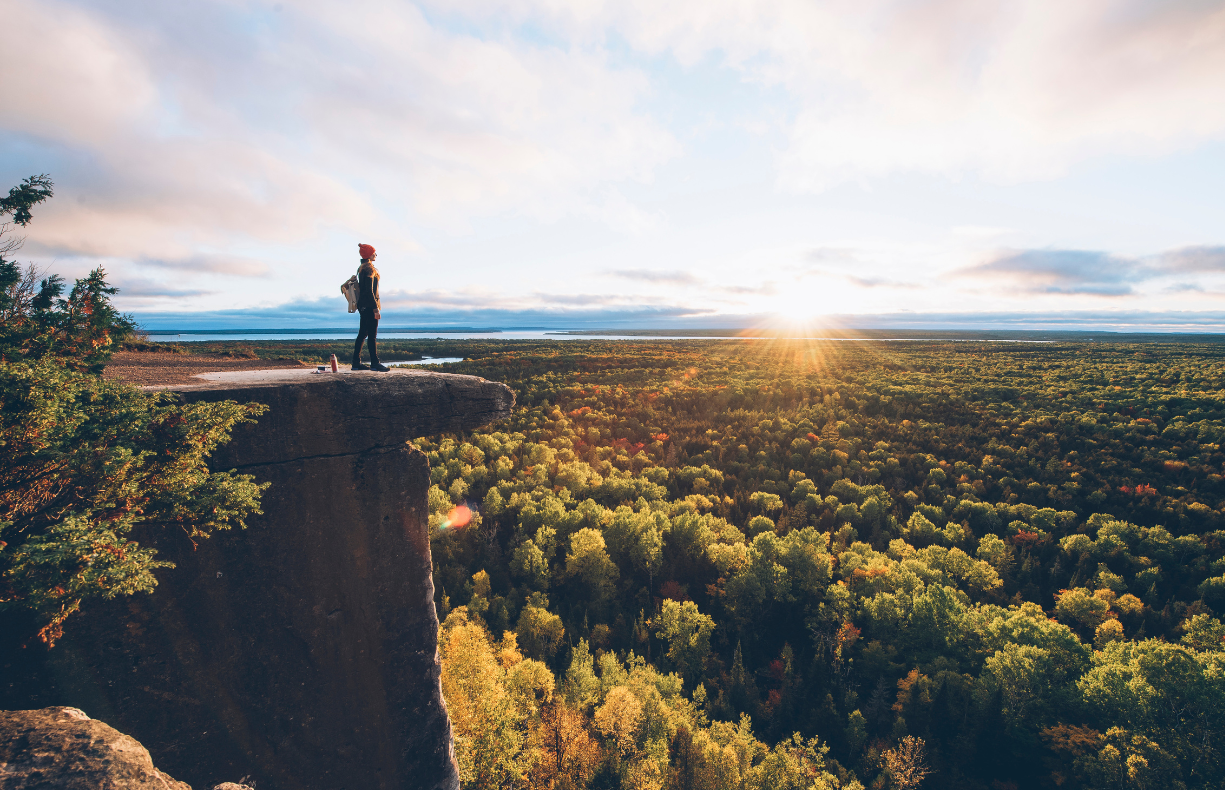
(848, 634)
(1076, 741)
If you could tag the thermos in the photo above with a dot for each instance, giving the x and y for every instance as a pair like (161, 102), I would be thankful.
(334, 368)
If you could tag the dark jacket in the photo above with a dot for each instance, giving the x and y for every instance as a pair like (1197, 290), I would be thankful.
(367, 291)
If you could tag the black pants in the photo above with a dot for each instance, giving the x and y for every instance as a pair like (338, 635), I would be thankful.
(367, 331)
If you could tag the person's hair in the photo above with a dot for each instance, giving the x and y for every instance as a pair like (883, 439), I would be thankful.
(367, 268)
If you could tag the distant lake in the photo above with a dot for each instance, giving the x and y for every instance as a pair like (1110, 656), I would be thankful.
(425, 361)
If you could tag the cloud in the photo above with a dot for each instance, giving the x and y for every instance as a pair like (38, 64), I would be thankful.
(1007, 91)
(1202, 321)
(832, 255)
(765, 289)
(477, 299)
(1182, 288)
(861, 282)
(229, 127)
(146, 291)
(215, 141)
(305, 315)
(241, 266)
(877, 282)
(1193, 259)
(1084, 272)
(835, 261)
(1094, 272)
(673, 277)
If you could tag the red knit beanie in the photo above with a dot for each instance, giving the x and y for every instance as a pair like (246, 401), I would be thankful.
(366, 251)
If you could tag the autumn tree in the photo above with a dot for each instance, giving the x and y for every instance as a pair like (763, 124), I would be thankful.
(906, 763)
(569, 755)
(490, 728)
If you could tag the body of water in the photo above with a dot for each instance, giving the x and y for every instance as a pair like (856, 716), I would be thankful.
(425, 361)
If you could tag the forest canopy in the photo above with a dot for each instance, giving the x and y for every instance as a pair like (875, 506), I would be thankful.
(831, 564)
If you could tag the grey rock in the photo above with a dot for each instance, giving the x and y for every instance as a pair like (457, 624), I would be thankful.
(64, 749)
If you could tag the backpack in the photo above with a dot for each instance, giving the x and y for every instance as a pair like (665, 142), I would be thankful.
(349, 289)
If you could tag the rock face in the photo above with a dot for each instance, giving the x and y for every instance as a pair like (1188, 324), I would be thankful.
(63, 749)
(302, 651)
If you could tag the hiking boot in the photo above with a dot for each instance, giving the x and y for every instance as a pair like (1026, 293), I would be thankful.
(379, 366)
(359, 366)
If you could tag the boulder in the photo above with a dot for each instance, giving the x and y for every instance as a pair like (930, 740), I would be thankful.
(63, 749)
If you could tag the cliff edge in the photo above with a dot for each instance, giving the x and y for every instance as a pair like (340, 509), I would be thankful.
(302, 651)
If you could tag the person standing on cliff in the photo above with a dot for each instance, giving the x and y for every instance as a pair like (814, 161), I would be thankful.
(368, 308)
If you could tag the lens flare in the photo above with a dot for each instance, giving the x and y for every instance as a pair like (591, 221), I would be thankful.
(458, 518)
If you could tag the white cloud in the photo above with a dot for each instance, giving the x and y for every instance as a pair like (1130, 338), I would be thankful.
(1009, 91)
(231, 130)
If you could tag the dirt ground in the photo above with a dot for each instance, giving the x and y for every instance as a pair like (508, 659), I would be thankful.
(158, 368)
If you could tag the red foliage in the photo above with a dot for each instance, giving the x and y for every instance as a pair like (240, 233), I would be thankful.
(672, 589)
(1027, 539)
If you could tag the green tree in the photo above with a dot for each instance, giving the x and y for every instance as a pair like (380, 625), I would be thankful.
(1079, 607)
(1204, 632)
(86, 461)
(539, 631)
(21, 198)
(687, 632)
(590, 566)
(36, 320)
(1167, 693)
(797, 764)
(582, 686)
(1126, 761)
(1023, 675)
(529, 564)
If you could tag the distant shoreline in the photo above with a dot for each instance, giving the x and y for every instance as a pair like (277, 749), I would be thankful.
(746, 333)
(323, 329)
(1071, 335)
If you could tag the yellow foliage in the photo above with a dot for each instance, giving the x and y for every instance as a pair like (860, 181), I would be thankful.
(508, 652)
(619, 717)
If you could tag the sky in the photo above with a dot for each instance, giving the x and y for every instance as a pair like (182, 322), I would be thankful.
(591, 163)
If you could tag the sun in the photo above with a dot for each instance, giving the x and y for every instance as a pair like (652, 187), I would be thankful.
(799, 311)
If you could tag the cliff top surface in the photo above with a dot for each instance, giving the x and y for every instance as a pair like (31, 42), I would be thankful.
(276, 377)
(164, 369)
